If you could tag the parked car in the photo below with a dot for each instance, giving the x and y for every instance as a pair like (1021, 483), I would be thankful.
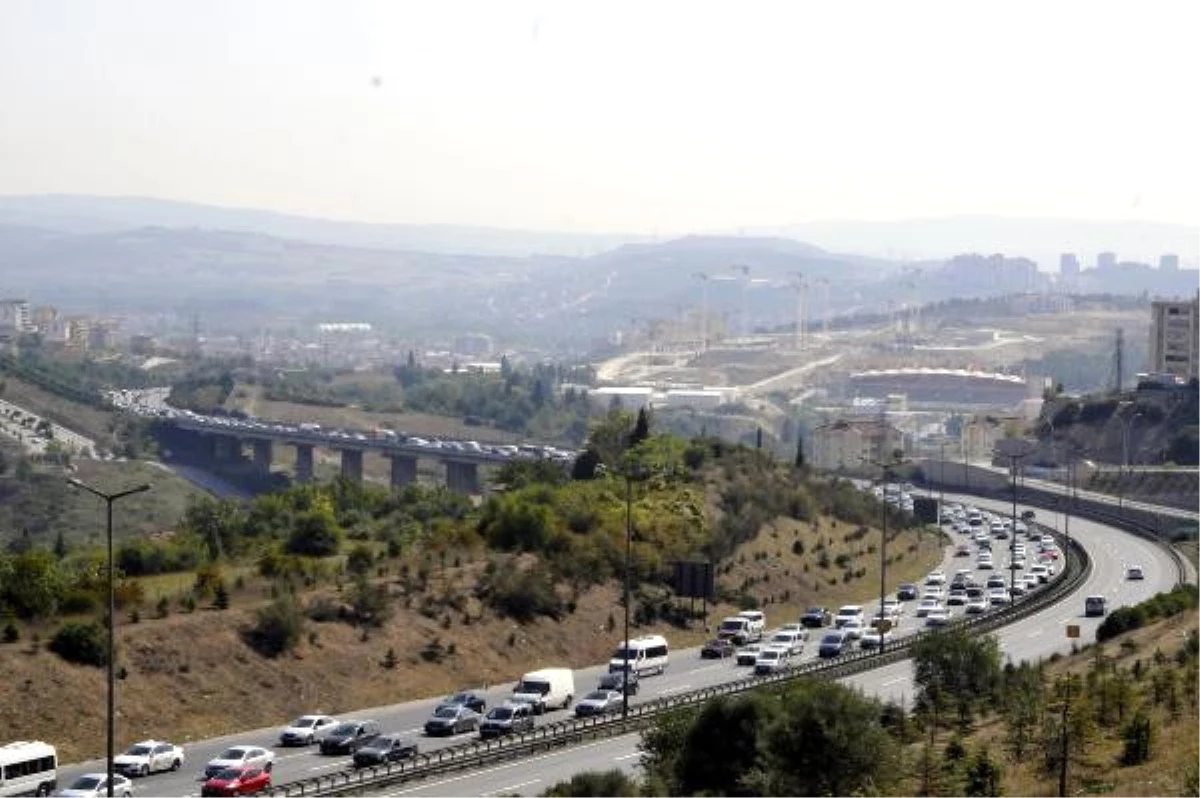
(149, 756)
(94, 785)
(349, 736)
(240, 756)
(467, 698)
(386, 748)
(237, 781)
(599, 702)
(717, 648)
(508, 718)
(619, 680)
(816, 617)
(451, 719)
(306, 730)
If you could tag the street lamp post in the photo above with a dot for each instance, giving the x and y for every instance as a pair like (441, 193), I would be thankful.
(1015, 449)
(886, 466)
(631, 472)
(109, 499)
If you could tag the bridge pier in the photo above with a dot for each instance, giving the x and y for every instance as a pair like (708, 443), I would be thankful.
(352, 460)
(404, 470)
(462, 477)
(225, 449)
(304, 462)
(263, 451)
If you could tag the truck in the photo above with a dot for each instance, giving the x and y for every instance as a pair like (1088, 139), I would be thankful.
(740, 630)
(546, 689)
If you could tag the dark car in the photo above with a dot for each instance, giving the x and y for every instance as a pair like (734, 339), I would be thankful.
(599, 702)
(451, 719)
(907, 592)
(383, 749)
(717, 648)
(816, 617)
(1028, 515)
(834, 644)
(469, 699)
(237, 781)
(618, 680)
(507, 719)
(348, 737)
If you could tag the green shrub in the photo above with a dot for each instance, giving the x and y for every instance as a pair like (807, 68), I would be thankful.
(81, 643)
(360, 559)
(277, 628)
(11, 633)
(522, 595)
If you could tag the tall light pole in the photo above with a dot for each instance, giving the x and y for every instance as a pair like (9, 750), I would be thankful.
(885, 464)
(109, 498)
(631, 472)
(1015, 449)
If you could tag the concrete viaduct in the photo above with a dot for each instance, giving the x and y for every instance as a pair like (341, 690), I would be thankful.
(225, 444)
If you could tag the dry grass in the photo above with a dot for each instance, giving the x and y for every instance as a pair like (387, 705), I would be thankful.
(78, 417)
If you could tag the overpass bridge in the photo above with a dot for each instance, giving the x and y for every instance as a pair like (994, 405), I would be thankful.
(223, 439)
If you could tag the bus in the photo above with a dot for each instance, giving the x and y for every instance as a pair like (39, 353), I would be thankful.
(28, 768)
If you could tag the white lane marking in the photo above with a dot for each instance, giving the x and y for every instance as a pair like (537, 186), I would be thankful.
(1034, 633)
(626, 756)
(331, 765)
(512, 787)
(893, 681)
(677, 688)
(520, 763)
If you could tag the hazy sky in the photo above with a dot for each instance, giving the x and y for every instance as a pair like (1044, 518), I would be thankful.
(609, 116)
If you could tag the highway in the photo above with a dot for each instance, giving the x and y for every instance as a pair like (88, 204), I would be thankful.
(1034, 637)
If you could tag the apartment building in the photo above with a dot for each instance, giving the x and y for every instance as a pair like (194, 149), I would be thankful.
(850, 444)
(1175, 337)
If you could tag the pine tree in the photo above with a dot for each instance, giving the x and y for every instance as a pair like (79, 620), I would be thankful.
(800, 453)
(221, 597)
(758, 438)
(60, 545)
(641, 430)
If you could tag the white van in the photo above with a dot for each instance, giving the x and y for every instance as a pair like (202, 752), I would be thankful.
(549, 688)
(28, 768)
(645, 655)
(738, 629)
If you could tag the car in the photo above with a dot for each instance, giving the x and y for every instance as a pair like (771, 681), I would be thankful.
(451, 719)
(626, 681)
(1095, 605)
(833, 644)
(1018, 589)
(772, 659)
(467, 698)
(240, 756)
(962, 550)
(387, 748)
(717, 648)
(907, 592)
(957, 596)
(791, 640)
(998, 597)
(854, 628)
(1028, 515)
(928, 605)
(349, 736)
(1031, 582)
(816, 617)
(149, 756)
(1134, 572)
(984, 564)
(599, 702)
(746, 655)
(933, 591)
(994, 580)
(237, 781)
(937, 577)
(508, 718)
(93, 785)
(937, 617)
(873, 639)
(976, 605)
(1040, 571)
(846, 613)
(306, 730)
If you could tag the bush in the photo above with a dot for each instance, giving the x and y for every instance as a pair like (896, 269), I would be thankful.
(520, 595)
(81, 643)
(1160, 605)
(278, 628)
(11, 633)
(360, 559)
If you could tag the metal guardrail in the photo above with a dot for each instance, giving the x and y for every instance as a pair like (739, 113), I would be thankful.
(569, 732)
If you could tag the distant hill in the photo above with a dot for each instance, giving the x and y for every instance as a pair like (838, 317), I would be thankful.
(92, 214)
(1042, 240)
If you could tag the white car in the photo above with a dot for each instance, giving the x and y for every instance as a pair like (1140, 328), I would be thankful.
(998, 597)
(933, 591)
(854, 628)
(1134, 572)
(790, 640)
(240, 756)
(938, 617)
(746, 655)
(772, 659)
(928, 604)
(975, 606)
(94, 785)
(306, 730)
(149, 756)
(936, 578)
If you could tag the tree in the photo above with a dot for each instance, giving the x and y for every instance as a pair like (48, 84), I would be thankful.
(641, 429)
(984, 775)
(585, 464)
(758, 438)
(829, 740)
(33, 583)
(278, 627)
(60, 545)
(955, 670)
(316, 532)
(800, 463)
(607, 783)
(723, 750)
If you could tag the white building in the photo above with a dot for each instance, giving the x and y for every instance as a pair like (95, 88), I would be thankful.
(1173, 337)
(706, 398)
(628, 398)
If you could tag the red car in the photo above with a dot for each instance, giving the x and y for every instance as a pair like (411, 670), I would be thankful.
(237, 781)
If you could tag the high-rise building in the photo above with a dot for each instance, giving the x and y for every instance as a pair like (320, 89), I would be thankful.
(15, 316)
(1068, 265)
(1175, 337)
(1169, 263)
(1106, 260)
